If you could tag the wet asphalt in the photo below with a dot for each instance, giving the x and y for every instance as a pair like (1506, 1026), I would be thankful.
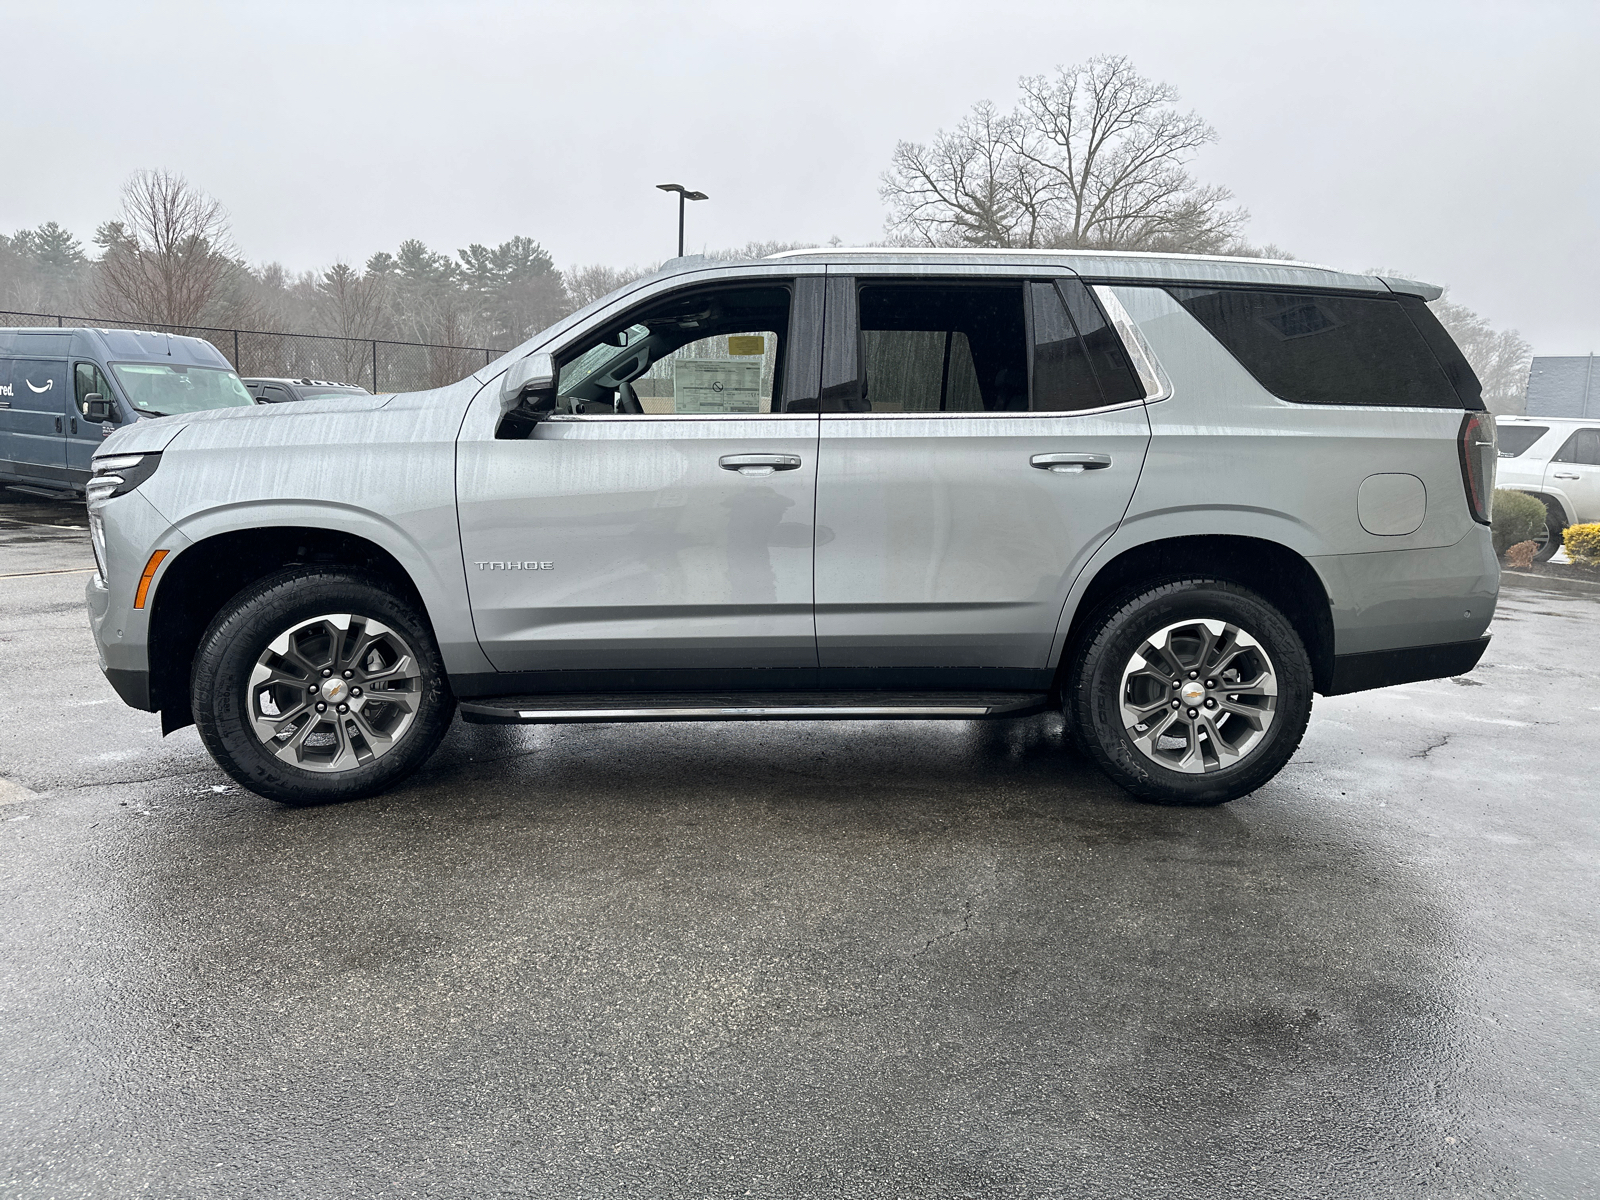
(797, 960)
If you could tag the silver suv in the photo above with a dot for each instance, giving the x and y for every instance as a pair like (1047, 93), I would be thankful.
(1170, 497)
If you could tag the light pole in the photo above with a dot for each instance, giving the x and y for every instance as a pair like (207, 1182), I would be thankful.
(683, 194)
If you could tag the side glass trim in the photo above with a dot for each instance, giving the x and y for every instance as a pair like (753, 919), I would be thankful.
(1156, 384)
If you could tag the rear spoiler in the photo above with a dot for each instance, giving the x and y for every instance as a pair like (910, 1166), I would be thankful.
(1412, 287)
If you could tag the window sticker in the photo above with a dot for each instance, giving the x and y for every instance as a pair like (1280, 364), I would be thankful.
(716, 385)
(746, 343)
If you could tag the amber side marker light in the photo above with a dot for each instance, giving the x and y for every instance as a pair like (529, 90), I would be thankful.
(149, 574)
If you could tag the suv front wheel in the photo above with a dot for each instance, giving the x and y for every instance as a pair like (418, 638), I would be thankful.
(1192, 691)
(317, 684)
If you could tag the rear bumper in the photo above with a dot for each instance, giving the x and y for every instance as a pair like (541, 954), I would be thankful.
(1385, 668)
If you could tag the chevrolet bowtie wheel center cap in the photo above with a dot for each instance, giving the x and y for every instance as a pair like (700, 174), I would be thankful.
(1192, 693)
(335, 690)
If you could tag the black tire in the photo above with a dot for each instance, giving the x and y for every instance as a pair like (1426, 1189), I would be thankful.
(1555, 526)
(1096, 683)
(242, 632)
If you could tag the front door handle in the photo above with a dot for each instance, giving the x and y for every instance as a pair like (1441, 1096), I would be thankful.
(1559, 475)
(758, 464)
(1070, 464)
(74, 421)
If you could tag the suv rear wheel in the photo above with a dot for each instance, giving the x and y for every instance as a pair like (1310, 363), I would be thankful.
(1550, 540)
(1191, 691)
(318, 684)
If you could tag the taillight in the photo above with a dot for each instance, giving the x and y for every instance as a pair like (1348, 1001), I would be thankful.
(1478, 455)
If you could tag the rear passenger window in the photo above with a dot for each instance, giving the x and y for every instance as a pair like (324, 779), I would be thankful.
(1582, 448)
(1074, 369)
(935, 348)
(1327, 349)
(1515, 439)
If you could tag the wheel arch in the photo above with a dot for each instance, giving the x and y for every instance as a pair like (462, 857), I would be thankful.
(1551, 500)
(207, 574)
(1279, 574)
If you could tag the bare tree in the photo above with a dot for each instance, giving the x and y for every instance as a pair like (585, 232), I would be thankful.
(1091, 157)
(349, 305)
(169, 255)
(1499, 357)
(587, 284)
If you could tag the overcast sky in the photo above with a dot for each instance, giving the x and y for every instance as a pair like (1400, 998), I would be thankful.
(1458, 143)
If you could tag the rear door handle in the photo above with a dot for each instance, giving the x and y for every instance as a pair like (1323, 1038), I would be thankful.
(1559, 475)
(1070, 464)
(758, 464)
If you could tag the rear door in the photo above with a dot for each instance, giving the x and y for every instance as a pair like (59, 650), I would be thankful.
(662, 523)
(33, 418)
(980, 438)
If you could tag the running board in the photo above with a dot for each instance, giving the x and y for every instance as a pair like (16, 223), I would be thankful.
(43, 493)
(751, 706)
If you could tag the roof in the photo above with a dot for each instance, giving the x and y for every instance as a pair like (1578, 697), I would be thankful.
(301, 382)
(1564, 386)
(114, 345)
(1143, 266)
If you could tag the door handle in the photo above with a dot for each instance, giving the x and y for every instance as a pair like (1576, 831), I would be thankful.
(758, 464)
(1070, 464)
(58, 424)
(74, 421)
(1559, 475)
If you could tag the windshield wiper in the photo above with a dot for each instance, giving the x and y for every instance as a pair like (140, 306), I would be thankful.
(152, 412)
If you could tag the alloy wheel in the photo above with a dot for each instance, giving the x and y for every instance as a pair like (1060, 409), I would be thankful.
(1198, 696)
(334, 693)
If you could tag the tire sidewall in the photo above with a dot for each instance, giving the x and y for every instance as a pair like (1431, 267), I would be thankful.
(244, 628)
(1120, 633)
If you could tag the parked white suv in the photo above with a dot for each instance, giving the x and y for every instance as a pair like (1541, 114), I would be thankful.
(1556, 460)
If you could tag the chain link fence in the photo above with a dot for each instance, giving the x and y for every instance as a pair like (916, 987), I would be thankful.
(373, 363)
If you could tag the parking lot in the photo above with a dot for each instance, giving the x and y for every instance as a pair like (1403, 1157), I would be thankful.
(881, 959)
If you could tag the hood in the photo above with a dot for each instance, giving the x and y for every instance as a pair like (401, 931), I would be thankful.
(149, 434)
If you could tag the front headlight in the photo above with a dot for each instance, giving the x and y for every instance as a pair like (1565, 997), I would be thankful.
(114, 475)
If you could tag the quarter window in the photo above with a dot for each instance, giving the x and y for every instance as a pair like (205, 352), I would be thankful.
(1315, 348)
(1515, 439)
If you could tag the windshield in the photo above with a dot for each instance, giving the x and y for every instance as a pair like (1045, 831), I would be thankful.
(159, 390)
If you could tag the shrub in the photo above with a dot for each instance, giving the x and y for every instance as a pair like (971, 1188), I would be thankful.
(1583, 544)
(1520, 556)
(1518, 517)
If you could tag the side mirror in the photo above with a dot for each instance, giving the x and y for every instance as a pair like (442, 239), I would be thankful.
(536, 373)
(97, 408)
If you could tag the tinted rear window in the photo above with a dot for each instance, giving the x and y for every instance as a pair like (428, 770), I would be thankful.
(1514, 439)
(1331, 349)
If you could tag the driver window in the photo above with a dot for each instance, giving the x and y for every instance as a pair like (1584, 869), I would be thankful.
(706, 352)
(88, 381)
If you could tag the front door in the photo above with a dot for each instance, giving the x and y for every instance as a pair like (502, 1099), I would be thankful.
(661, 521)
(980, 439)
(32, 419)
(83, 435)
